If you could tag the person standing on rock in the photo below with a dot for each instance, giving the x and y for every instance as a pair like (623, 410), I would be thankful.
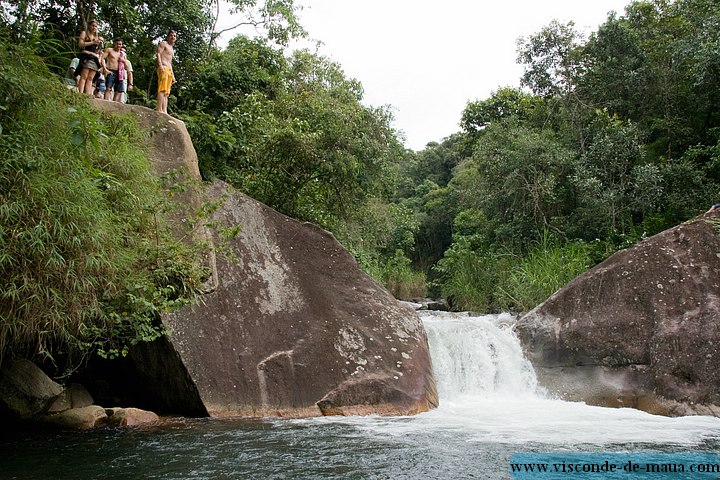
(90, 43)
(128, 79)
(117, 67)
(166, 76)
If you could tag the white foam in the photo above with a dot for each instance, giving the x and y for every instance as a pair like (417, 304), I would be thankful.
(488, 393)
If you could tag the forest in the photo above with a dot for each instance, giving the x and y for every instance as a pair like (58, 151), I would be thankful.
(610, 138)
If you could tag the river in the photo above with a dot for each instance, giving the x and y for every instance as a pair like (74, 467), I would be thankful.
(491, 408)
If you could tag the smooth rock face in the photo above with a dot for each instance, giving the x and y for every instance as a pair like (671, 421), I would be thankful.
(130, 417)
(84, 418)
(640, 329)
(294, 322)
(25, 390)
(290, 320)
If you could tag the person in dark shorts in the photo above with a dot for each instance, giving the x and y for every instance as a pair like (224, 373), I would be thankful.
(114, 59)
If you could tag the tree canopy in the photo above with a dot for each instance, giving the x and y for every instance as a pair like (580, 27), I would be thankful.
(610, 138)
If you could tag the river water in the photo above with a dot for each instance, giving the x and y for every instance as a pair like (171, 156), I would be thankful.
(491, 408)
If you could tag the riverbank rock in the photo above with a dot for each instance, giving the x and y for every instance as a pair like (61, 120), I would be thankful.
(25, 390)
(440, 305)
(638, 330)
(294, 329)
(74, 396)
(130, 417)
(291, 327)
(84, 418)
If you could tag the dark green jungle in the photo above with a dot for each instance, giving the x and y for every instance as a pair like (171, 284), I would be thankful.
(612, 137)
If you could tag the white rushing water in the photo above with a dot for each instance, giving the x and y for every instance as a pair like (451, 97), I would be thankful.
(489, 393)
(490, 410)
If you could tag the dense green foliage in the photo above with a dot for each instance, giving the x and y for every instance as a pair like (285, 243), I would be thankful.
(609, 142)
(86, 259)
(612, 138)
(615, 138)
(291, 132)
(141, 25)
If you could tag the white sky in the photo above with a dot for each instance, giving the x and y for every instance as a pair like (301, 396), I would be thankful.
(428, 58)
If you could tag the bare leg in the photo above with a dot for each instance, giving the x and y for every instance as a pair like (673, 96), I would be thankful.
(82, 81)
(161, 102)
(86, 81)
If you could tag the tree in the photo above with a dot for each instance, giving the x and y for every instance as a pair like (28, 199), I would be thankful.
(142, 24)
(518, 178)
(614, 185)
(224, 79)
(659, 67)
(310, 149)
(276, 18)
(550, 58)
(504, 103)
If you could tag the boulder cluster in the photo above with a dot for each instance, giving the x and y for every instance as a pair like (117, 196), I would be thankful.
(28, 395)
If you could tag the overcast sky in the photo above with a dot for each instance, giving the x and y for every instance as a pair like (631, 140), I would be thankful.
(428, 58)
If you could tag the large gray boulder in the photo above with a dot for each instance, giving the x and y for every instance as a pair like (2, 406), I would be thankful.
(290, 325)
(25, 390)
(294, 328)
(639, 330)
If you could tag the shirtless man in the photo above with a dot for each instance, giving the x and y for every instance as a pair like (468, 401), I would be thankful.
(117, 66)
(166, 76)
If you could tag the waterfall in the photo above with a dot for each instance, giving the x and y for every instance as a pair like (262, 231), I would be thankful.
(478, 356)
(489, 390)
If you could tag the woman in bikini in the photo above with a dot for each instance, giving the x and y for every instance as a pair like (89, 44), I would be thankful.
(90, 43)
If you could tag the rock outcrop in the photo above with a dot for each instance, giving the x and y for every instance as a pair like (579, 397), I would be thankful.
(294, 328)
(639, 330)
(291, 326)
(28, 396)
(84, 418)
(25, 390)
(175, 161)
(130, 417)
(74, 396)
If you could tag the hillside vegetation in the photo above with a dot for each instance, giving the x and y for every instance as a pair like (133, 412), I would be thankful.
(87, 262)
(612, 137)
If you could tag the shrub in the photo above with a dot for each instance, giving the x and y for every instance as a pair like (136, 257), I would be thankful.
(467, 277)
(400, 279)
(86, 259)
(547, 267)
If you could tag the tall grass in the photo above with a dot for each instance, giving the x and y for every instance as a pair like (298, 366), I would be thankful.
(83, 247)
(549, 266)
(487, 281)
(467, 277)
(400, 279)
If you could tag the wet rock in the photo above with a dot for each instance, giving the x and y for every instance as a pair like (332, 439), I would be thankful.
(130, 417)
(640, 329)
(430, 304)
(25, 390)
(84, 418)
